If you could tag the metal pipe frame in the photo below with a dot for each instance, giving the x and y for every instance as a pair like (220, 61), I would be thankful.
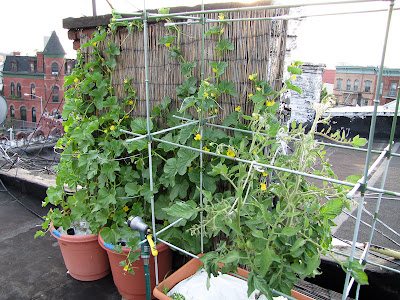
(150, 136)
(278, 168)
(347, 285)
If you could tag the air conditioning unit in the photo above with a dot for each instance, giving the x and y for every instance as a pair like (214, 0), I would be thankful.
(54, 73)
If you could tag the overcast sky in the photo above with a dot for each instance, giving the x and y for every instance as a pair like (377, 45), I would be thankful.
(355, 39)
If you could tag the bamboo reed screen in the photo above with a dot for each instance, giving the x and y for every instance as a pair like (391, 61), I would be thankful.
(260, 47)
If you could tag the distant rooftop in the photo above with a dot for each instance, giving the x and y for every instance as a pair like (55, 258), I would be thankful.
(53, 46)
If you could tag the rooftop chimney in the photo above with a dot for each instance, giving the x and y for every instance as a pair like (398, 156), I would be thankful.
(40, 61)
(16, 53)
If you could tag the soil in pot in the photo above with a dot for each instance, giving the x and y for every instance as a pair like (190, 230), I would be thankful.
(83, 257)
(130, 286)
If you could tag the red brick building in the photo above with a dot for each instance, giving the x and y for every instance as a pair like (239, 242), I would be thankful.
(34, 84)
(356, 85)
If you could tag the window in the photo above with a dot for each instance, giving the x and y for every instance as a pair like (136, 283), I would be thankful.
(54, 68)
(33, 91)
(348, 85)
(14, 66)
(18, 90)
(12, 111)
(31, 66)
(22, 111)
(356, 85)
(339, 83)
(33, 114)
(367, 86)
(55, 94)
(12, 86)
(393, 87)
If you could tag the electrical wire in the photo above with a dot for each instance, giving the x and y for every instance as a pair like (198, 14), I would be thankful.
(16, 199)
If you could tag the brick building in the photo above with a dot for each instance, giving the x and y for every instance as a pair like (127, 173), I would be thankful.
(356, 85)
(34, 84)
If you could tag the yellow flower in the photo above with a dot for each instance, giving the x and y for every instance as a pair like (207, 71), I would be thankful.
(205, 94)
(265, 174)
(206, 149)
(125, 208)
(250, 95)
(215, 70)
(263, 186)
(292, 63)
(213, 94)
(270, 103)
(238, 108)
(230, 153)
(294, 77)
(255, 115)
(94, 44)
(190, 169)
(105, 130)
(216, 110)
(126, 117)
(130, 102)
(126, 80)
(126, 268)
(167, 44)
(197, 137)
(221, 17)
(253, 76)
(111, 215)
(259, 89)
(112, 127)
(76, 80)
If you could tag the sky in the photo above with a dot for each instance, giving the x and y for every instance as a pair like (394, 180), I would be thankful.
(355, 39)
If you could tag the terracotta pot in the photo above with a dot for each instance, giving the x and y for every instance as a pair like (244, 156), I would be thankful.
(83, 257)
(134, 286)
(188, 270)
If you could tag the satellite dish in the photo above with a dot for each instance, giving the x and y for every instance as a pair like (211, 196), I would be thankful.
(3, 109)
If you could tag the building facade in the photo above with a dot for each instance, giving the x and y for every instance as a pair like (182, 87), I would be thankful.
(33, 85)
(355, 85)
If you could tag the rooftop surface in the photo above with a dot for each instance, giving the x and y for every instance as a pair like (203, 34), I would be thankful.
(34, 269)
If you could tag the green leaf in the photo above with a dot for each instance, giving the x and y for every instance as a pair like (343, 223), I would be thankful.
(113, 49)
(264, 261)
(179, 190)
(187, 68)
(290, 231)
(188, 88)
(188, 102)
(139, 125)
(168, 39)
(165, 102)
(219, 67)
(213, 30)
(227, 87)
(224, 44)
(186, 210)
(111, 62)
(332, 208)
(219, 169)
(359, 142)
(292, 87)
(231, 119)
(353, 178)
(299, 243)
(171, 167)
(295, 70)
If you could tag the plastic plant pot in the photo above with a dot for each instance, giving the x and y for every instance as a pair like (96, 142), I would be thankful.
(131, 286)
(188, 270)
(83, 257)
